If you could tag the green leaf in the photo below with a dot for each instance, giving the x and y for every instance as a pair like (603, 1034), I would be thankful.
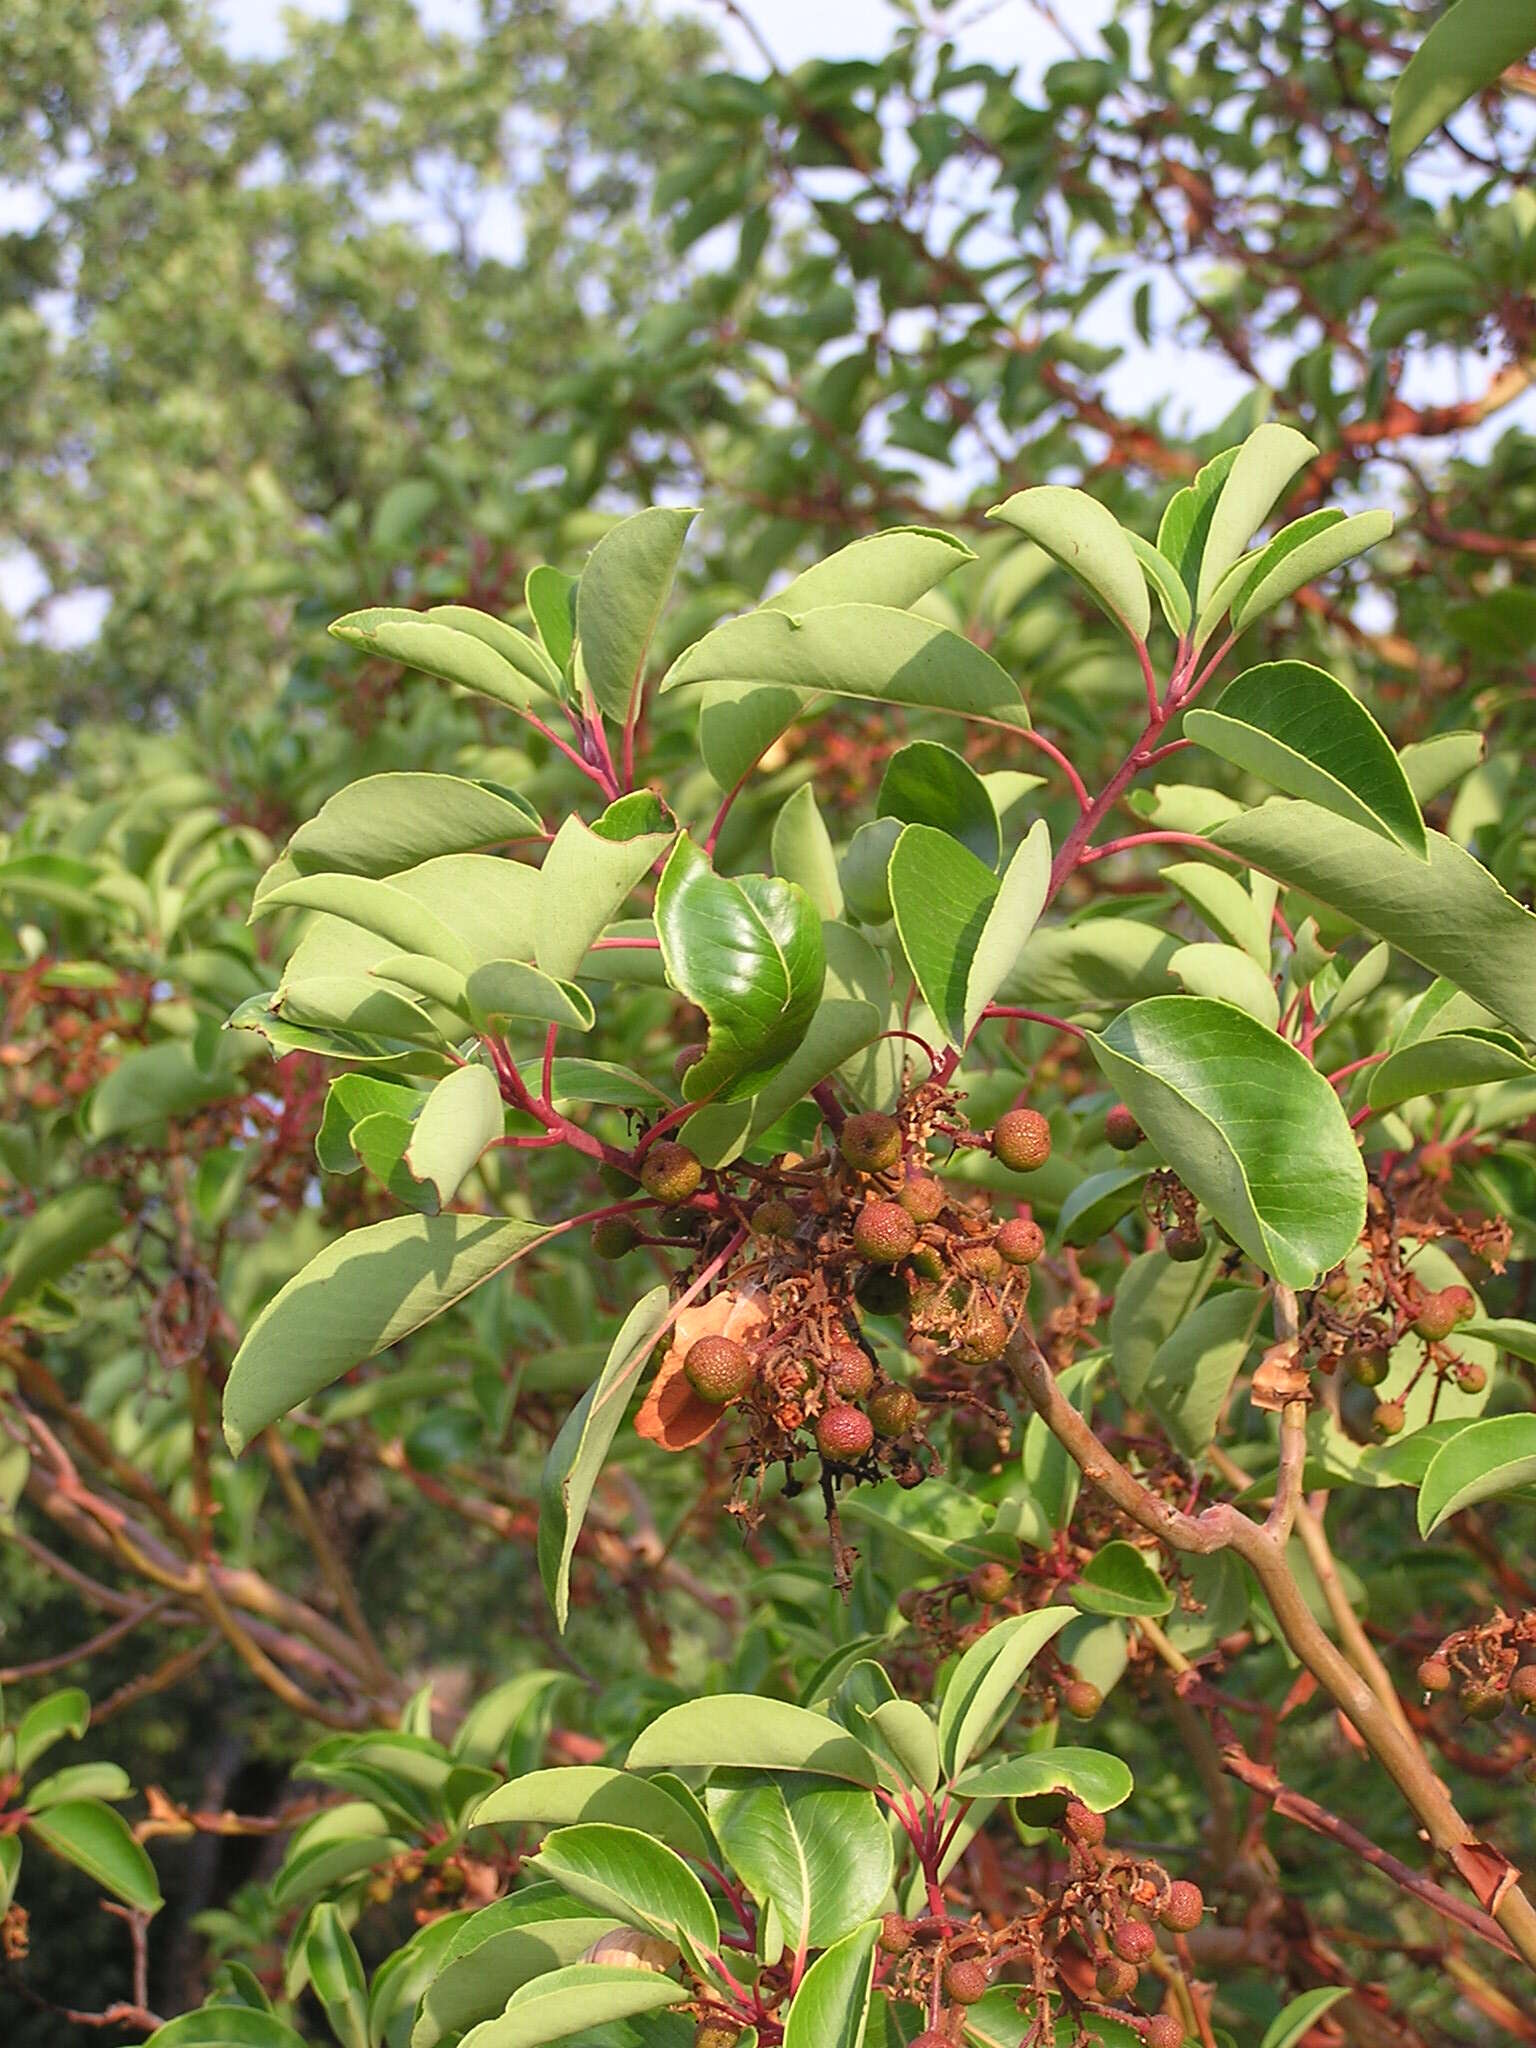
(503, 991)
(399, 514)
(387, 822)
(402, 1979)
(1164, 578)
(619, 601)
(1119, 1580)
(1229, 975)
(1298, 2018)
(621, 1871)
(225, 2026)
(1193, 1369)
(1464, 52)
(55, 1716)
(749, 954)
(567, 2002)
(1265, 464)
(1452, 1059)
(550, 596)
(1297, 728)
(1100, 1780)
(926, 784)
(493, 1953)
(1252, 1129)
(1302, 552)
(336, 1975)
(588, 874)
(741, 1731)
(819, 1851)
(906, 1734)
(1489, 1457)
(79, 1781)
(356, 1298)
(1432, 765)
(831, 2006)
(1098, 1202)
(97, 1840)
(1508, 1332)
(577, 1454)
(593, 1792)
(57, 1236)
(496, 1716)
(461, 1116)
(1187, 518)
(895, 567)
(10, 1869)
(458, 646)
(720, 1132)
(986, 1675)
(1450, 915)
(802, 852)
(1089, 543)
(961, 929)
(1224, 903)
(157, 1082)
(1153, 1298)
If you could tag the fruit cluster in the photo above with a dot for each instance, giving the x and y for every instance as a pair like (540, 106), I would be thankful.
(1489, 1668)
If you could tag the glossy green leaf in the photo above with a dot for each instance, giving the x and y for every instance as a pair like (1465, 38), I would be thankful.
(961, 928)
(56, 1237)
(10, 1869)
(576, 1457)
(79, 1781)
(740, 1731)
(567, 2002)
(1089, 543)
(402, 1979)
(1154, 1296)
(1432, 765)
(1299, 554)
(749, 954)
(1295, 727)
(550, 596)
(831, 2006)
(508, 991)
(1464, 52)
(1098, 1202)
(356, 1298)
(1508, 1332)
(336, 1975)
(986, 1675)
(839, 1030)
(1224, 903)
(383, 823)
(619, 601)
(819, 1851)
(97, 1840)
(1289, 2027)
(1186, 521)
(1100, 1780)
(1119, 1579)
(593, 1792)
(906, 1734)
(1449, 914)
(802, 852)
(57, 1715)
(1172, 597)
(895, 567)
(159, 1082)
(225, 2026)
(1492, 1456)
(498, 1950)
(1193, 1368)
(1451, 1059)
(620, 1870)
(926, 784)
(1098, 963)
(865, 870)
(1252, 1129)
(471, 649)
(589, 873)
(1265, 464)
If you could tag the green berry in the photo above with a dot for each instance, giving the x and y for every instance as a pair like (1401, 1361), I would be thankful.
(1389, 1417)
(870, 1142)
(1471, 1377)
(1440, 1313)
(1367, 1367)
(1021, 1241)
(774, 1218)
(670, 1172)
(719, 1369)
(844, 1435)
(893, 1411)
(1482, 1701)
(1115, 1980)
(883, 1232)
(616, 1179)
(922, 1198)
(990, 1583)
(881, 1293)
(613, 1237)
(1021, 1140)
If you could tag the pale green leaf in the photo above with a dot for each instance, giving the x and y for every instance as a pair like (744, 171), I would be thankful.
(1089, 543)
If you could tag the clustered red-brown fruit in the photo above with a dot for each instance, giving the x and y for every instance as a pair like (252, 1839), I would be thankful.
(670, 1172)
(883, 1233)
(1020, 1241)
(1021, 1140)
(850, 1373)
(967, 1981)
(1489, 1667)
(1439, 1313)
(1181, 1912)
(1083, 1825)
(922, 1197)
(870, 1142)
(1133, 1941)
(895, 1934)
(1163, 2030)
(844, 1434)
(1081, 1698)
(719, 1369)
(893, 1411)
(990, 1583)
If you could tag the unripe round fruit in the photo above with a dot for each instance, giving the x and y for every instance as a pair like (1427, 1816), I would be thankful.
(981, 1261)
(870, 1142)
(1121, 1129)
(1522, 1686)
(895, 1934)
(881, 1293)
(670, 1172)
(1115, 1979)
(966, 1983)
(1083, 1824)
(1021, 1140)
(1133, 1941)
(927, 1261)
(680, 1222)
(719, 1369)
(979, 1450)
(1481, 1701)
(844, 1434)
(1389, 1417)
(883, 1232)
(1440, 1313)
(1181, 1912)
(1021, 1241)
(850, 1374)
(1185, 1243)
(893, 1411)
(616, 1180)
(773, 1218)
(1471, 1377)
(984, 1336)
(1435, 1675)
(1366, 1367)
(613, 1237)
(922, 1198)
(990, 1583)
(1163, 2030)
(1081, 1698)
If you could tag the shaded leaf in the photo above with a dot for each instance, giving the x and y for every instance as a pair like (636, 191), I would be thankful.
(1489, 1457)
(1089, 543)
(619, 600)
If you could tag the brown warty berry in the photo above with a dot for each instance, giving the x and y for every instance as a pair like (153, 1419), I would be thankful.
(893, 1411)
(1163, 2030)
(1440, 1313)
(1183, 1909)
(883, 1232)
(1522, 1686)
(1081, 1698)
(990, 1583)
(1389, 1417)
(984, 1335)
(1021, 1140)
(930, 2037)
(1133, 1941)
(922, 1198)
(895, 1934)
(1021, 1241)
(773, 1218)
(1185, 1243)
(670, 1172)
(844, 1434)
(1435, 1675)
(870, 1142)
(1121, 1129)
(1115, 1979)
(965, 1983)
(1083, 1824)
(850, 1373)
(719, 1369)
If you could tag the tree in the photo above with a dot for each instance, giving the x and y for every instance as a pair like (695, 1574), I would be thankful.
(1047, 1006)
